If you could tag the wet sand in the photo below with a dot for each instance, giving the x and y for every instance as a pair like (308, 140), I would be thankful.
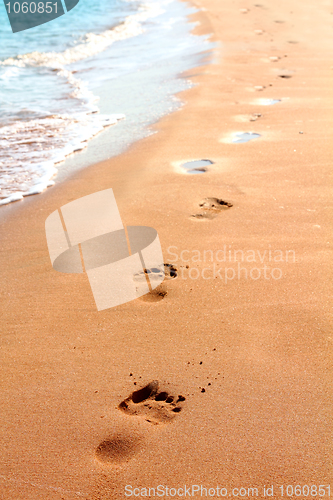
(248, 352)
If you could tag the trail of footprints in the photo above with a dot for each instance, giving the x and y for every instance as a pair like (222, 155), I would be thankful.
(148, 403)
(211, 207)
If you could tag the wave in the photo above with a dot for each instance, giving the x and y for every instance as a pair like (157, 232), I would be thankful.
(91, 44)
(30, 149)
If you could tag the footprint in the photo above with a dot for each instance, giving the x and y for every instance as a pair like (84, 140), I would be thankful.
(211, 208)
(196, 166)
(285, 75)
(149, 283)
(254, 117)
(248, 118)
(163, 272)
(204, 215)
(242, 137)
(168, 271)
(214, 204)
(154, 295)
(154, 406)
(117, 449)
(149, 403)
(267, 102)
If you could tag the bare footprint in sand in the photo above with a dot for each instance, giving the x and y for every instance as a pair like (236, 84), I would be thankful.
(117, 449)
(155, 295)
(248, 118)
(211, 207)
(196, 166)
(166, 271)
(254, 117)
(154, 406)
(285, 75)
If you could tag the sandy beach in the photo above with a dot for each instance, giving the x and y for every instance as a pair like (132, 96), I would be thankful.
(244, 352)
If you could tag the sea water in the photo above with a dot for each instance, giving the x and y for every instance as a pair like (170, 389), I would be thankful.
(106, 62)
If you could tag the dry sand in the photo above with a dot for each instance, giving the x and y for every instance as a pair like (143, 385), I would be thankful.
(258, 347)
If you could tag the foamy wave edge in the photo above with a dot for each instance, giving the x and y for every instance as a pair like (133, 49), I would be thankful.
(92, 45)
(42, 173)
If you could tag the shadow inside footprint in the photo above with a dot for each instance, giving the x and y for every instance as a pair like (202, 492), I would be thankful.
(154, 406)
(211, 207)
(117, 449)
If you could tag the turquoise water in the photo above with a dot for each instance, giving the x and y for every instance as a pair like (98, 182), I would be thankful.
(119, 57)
(88, 16)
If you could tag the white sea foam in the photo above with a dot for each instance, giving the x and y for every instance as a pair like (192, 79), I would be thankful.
(49, 109)
(30, 149)
(91, 45)
(9, 73)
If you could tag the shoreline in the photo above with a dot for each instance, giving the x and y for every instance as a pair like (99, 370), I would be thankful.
(250, 357)
(141, 92)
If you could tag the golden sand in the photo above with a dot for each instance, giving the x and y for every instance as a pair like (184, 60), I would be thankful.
(249, 354)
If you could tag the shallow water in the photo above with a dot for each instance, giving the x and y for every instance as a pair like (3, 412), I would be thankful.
(56, 78)
(197, 166)
(245, 137)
